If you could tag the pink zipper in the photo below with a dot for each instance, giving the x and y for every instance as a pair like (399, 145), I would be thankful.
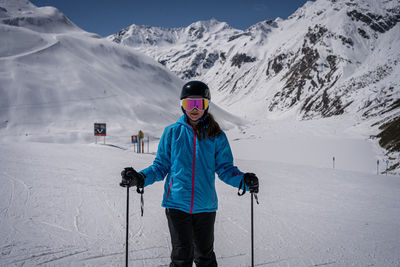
(194, 164)
(169, 188)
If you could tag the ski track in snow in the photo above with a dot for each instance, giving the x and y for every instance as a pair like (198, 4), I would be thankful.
(77, 218)
(24, 185)
(112, 212)
(62, 228)
(122, 254)
(34, 51)
(237, 225)
(10, 199)
(41, 255)
(62, 257)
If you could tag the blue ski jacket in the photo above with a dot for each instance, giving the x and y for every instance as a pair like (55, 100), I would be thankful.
(189, 165)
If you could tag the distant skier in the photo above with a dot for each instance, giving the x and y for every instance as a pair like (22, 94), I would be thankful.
(189, 154)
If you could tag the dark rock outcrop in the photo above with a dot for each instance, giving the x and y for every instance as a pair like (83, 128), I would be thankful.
(238, 59)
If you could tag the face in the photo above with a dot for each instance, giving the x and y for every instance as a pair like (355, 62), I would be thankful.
(195, 114)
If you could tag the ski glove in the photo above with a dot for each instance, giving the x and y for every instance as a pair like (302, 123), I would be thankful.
(130, 177)
(251, 180)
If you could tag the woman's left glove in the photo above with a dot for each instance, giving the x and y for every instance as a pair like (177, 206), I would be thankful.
(130, 177)
(251, 180)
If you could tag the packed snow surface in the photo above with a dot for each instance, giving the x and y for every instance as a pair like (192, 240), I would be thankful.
(61, 204)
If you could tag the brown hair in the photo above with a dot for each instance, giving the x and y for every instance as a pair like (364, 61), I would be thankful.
(208, 128)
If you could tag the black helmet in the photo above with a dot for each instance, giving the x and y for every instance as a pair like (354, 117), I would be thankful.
(195, 88)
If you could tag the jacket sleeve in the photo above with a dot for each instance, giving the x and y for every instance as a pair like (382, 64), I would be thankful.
(224, 167)
(162, 162)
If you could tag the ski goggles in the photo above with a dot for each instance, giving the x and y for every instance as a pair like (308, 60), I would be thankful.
(189, 104)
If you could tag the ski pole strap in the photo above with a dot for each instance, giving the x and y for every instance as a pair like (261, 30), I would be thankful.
(141, 205)
(140, 190)
(243, 189)
(256, 197)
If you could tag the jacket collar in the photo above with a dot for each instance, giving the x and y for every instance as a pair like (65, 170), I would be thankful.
(182, 120)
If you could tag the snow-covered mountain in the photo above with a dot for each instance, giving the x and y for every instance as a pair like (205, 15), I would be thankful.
(56, 80)
(331, 57)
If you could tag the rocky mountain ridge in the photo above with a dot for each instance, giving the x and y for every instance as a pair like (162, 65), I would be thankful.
(331, 57)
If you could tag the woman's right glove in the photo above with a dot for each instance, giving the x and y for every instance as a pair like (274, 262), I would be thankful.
(130, 177)
(251, 180)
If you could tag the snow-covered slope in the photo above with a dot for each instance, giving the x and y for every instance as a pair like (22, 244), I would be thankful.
(61, 205)
(327, 59)
(56, 80)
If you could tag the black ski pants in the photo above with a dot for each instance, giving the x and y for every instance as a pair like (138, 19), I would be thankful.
(192, 238)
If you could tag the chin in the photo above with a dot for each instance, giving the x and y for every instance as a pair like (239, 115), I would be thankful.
(193, 118)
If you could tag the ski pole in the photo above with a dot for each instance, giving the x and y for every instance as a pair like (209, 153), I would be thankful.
(252, 231)
(127, 226)
(128, 180)
(125, 183)
(253, 195)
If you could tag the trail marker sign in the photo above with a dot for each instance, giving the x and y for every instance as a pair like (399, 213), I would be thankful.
(100, 129)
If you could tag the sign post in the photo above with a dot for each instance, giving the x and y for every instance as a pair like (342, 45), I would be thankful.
(100, 130)
(377, 167)
(134, 140)
(387, 166)
(140, 141)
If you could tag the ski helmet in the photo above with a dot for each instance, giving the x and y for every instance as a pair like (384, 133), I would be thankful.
(195, 88)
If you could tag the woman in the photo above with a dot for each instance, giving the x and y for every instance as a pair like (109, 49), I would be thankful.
(189, 154)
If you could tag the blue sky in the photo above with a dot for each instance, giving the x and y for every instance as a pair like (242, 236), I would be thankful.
(107, 17)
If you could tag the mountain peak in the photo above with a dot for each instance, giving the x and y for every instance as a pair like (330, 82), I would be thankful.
(209, 24)
(23, 13)
(13, 7)
(149, 36)
(212, 26)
